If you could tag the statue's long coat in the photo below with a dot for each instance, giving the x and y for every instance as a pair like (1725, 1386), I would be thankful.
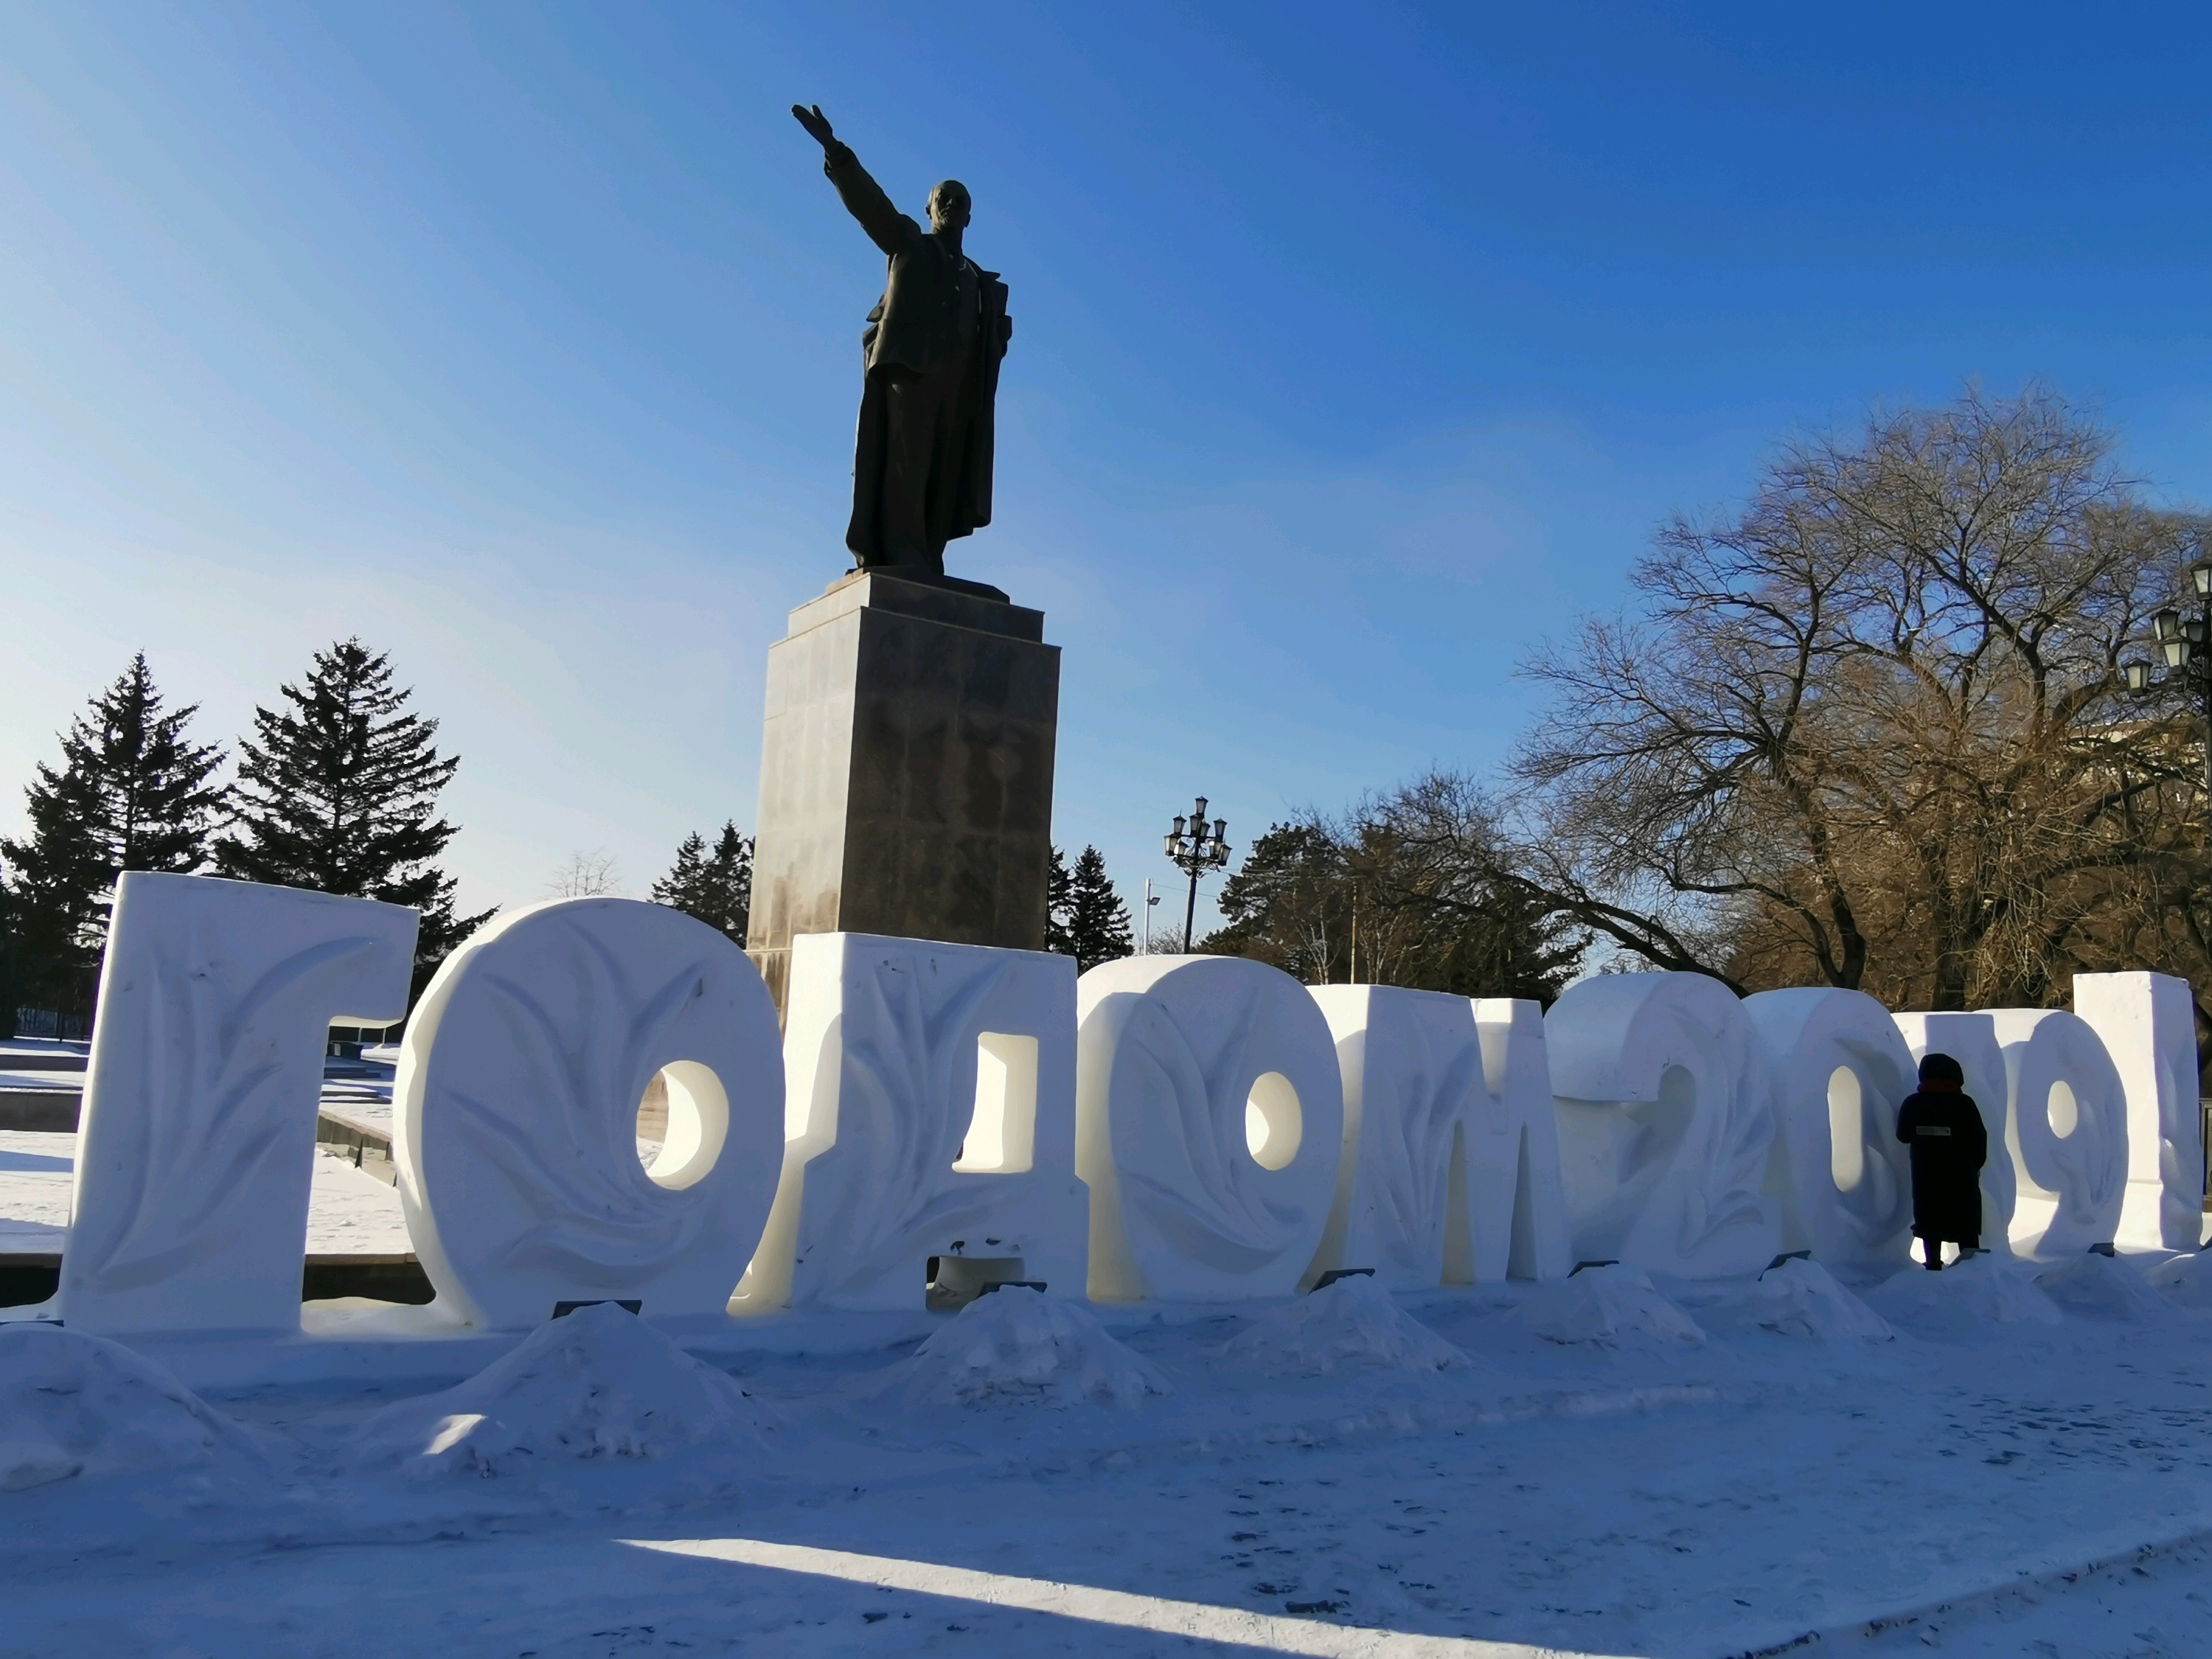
(915, 327)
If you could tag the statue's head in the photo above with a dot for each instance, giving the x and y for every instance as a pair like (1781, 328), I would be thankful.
(948, 206)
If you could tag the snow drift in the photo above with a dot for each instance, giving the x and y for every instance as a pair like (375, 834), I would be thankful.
(1607, 1307)
(2185, 1280)
(1353, 1322)
(1988, 1288)
(1019, 1344)
(74, 1405)
(600, 1383)
(1799, 1297)
(2102, 1287)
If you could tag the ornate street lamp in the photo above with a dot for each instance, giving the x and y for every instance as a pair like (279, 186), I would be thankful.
(1196, 852)
(2185, 642)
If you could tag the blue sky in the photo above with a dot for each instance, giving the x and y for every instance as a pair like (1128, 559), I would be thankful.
(1356, 349)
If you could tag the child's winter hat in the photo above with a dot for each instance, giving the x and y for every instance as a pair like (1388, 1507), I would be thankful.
(1940, 1068)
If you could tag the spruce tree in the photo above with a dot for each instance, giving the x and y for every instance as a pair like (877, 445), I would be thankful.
(716, 887)
(132, 794)
(682, 888)
(1057, 938)
(339, 793)
(1098, 920)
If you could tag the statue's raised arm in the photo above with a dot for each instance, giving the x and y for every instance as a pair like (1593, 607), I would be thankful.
(864, 199)
(923, 461)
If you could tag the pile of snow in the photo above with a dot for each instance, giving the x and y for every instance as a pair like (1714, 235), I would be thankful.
(73, 1405)
(1352, 1322)
(1018, 1344)
(2103, 1287)
(1799, 1297)
(600, 1383)
(1607, 1306)
(1988, 1288)
(2186, 1280)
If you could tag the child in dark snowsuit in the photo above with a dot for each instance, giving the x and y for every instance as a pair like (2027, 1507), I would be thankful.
(1943, 1127)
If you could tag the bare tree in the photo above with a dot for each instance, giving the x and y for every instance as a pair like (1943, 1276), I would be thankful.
(1872, 732)
(1164, 938)
(586, 875)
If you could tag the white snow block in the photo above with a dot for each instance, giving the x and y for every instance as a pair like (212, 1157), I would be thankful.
(2066, 1129)
(2148, 1024)
(1450, 1170)
(1665, 1125)
(1209, 1122)
(515, 1114)
(931, 1113)
(1840, 1069)
(1971, 1040)
(196, 1145)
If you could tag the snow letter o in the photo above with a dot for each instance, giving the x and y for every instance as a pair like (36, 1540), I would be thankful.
(1209, 1121)
(515, 1114)
(1840, 1069)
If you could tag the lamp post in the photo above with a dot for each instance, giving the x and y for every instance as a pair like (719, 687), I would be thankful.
(2186, 644)
(1195, 852)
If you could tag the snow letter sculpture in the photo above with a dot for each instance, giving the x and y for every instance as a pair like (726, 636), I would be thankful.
(1664, 1124)
(515, 1114)
(198, 1143)
(1408, 1061)
(1971, 1040)
(1450, 1169)
(1839, 1068)
(2067, 1130)
(1513, 1183)
(1209, 1118)
(932, 1113)
(2150, 1028)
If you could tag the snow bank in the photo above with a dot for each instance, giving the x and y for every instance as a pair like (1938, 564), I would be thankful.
(1353, 1322)
(2102, 1287)
(1606, 1307)
(2185, 1279)
(1802, 1298)
(1984, 1290)
(600, 1383)
(74, 1405)
(1020, 1345)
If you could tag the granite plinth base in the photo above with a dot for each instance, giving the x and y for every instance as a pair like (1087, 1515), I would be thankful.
(906, 771)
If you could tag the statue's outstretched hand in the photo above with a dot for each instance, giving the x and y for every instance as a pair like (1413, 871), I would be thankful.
(815, 123)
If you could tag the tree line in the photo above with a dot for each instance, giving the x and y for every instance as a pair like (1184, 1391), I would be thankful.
(1871, 729)
(335, 788)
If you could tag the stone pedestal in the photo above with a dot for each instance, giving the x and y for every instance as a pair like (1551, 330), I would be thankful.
(906, 771)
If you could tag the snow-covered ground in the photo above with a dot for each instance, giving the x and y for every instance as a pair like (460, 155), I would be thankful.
(35, 1172)
(1961, 1462)
(349, 1213)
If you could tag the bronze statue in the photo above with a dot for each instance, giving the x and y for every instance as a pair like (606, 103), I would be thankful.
(921, 465)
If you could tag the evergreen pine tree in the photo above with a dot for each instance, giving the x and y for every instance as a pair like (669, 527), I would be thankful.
(132, 794)
(1057, 938)
(716, 887)
(339, 793)
(1098, 920)
(1288, 904)
(1084, 917)
(685, 886)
